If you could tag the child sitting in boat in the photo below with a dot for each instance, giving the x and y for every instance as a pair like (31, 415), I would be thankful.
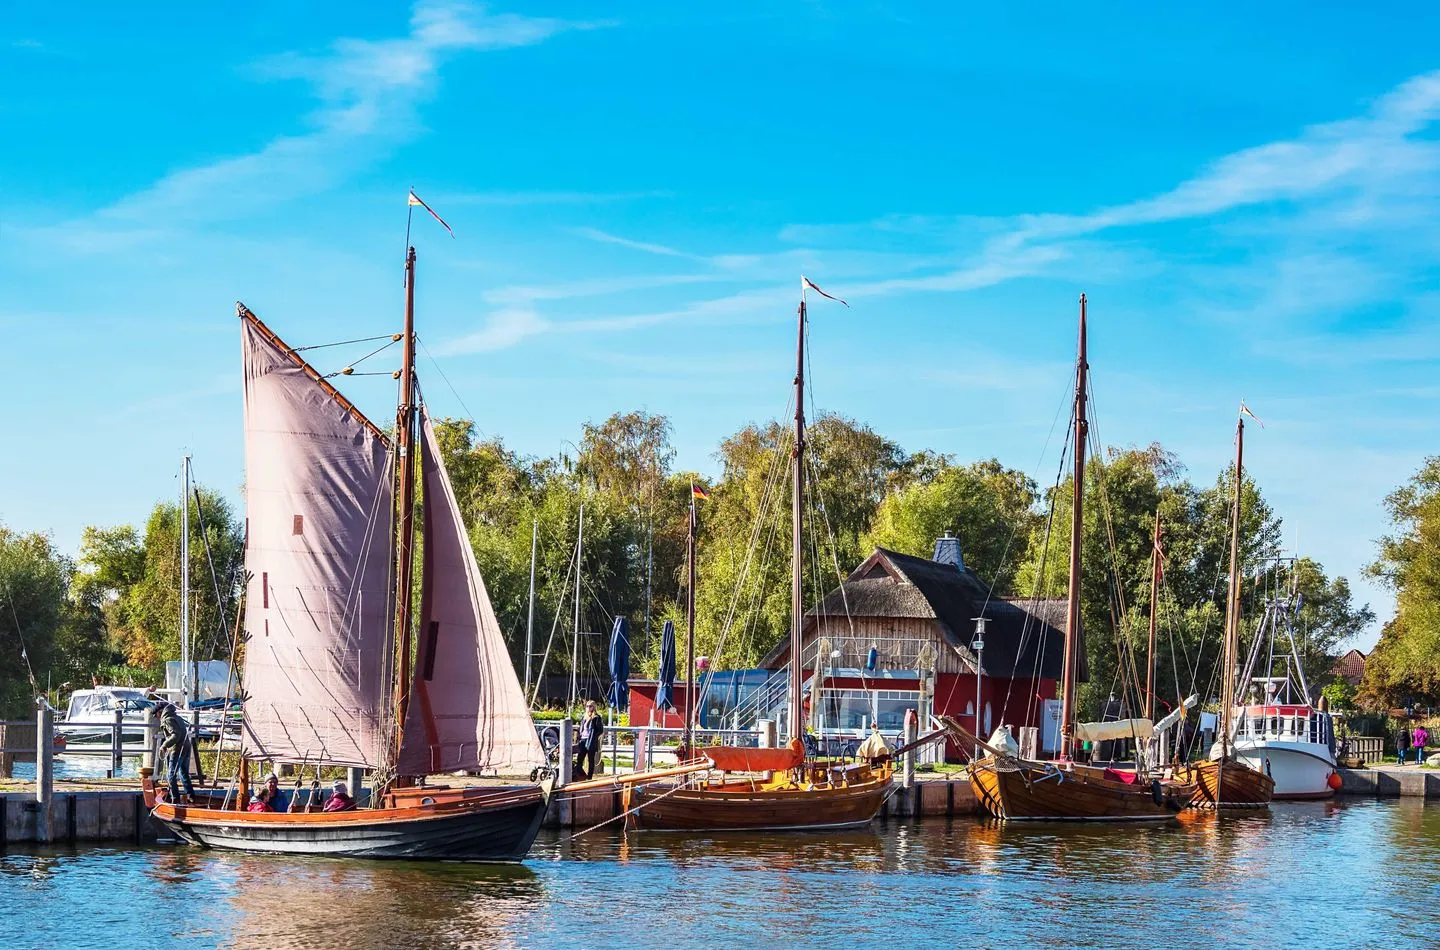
(340, 799)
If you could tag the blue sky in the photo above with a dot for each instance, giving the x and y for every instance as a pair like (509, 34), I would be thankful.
(1249, 199)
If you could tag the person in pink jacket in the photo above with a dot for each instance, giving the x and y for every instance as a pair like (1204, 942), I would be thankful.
(1418, 737)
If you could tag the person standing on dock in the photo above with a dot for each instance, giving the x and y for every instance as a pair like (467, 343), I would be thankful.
(587, 750)
(176, 746)
(1418, 737)
(1402, 744)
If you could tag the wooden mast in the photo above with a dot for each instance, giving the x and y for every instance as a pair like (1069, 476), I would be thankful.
(1232, 605)
(404, 547)
(690, 718)
(1073, 641)
(797, 514)
(1154, 604)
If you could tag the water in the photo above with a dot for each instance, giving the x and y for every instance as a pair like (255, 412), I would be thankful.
(81, 765)
(1356, 873)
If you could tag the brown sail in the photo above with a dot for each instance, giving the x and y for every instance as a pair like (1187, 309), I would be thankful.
(319, 506)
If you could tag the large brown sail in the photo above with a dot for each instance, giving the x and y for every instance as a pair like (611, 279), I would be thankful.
(317, 501)
(467, 711)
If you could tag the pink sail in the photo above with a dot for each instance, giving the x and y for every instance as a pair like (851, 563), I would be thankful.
(467, 710)
(317, 610)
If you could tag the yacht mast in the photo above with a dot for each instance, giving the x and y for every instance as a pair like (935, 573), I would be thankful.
(1073, 641)
(404, 546)
(575, 640)
(1155, 570)
(797, 553)
(187, 677)
(530, 614)
(1232, 605)
(690, 701)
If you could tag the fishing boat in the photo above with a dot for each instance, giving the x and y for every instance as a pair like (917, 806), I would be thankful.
(1226, 780)
(330, 633)
(1284, 734)
(1013, 788)
(776, 789)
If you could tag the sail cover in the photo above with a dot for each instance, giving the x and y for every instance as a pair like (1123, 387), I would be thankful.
(1118, 729)
(467, 710)
(317, 608)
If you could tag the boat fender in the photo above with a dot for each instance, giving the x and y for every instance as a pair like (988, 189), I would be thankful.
(1157, 792)
(1335, 781)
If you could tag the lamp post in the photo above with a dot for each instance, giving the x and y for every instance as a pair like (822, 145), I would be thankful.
(978, 645)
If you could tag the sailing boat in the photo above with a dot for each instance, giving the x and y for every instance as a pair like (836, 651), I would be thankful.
(329, 624)
(1224, 780)
(1017, 789)
(799, 793)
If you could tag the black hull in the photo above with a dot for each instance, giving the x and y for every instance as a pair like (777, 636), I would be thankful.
(498, 833)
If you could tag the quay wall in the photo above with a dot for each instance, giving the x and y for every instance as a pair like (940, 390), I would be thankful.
(120, 815)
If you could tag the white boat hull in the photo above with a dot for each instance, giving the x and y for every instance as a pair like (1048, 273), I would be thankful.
(1300, 769)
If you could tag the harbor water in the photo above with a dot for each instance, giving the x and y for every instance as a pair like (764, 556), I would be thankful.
(1340, 873)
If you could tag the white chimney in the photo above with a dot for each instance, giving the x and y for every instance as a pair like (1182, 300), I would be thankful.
(947, 551)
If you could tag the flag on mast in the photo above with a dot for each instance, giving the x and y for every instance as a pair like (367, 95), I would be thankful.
(698, 492)
(1245, 410)
(807, 282)
(415, 200)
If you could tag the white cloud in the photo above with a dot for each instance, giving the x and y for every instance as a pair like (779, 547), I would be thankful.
(367, 90)
(503, 329)
(603, 237)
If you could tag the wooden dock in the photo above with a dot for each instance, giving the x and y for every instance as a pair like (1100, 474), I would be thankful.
(117, 812)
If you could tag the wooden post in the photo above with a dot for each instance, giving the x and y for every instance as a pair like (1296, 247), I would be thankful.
(117, 744)
(356, 780)
(912, 732)
(44, 768)
(194, 755)
(567, 744)
(147, 757)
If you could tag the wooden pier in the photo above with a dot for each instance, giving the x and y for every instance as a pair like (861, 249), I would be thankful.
(117, 811)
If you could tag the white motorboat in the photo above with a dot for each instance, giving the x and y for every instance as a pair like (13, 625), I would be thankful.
(1281, 731)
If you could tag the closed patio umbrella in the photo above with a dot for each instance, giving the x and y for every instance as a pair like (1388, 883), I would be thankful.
(665, 691)
(620, 665)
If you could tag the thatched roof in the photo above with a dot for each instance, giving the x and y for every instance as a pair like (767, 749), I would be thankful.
(1024, 638)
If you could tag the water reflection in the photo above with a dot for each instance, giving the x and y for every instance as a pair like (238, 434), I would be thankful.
(1298, 875)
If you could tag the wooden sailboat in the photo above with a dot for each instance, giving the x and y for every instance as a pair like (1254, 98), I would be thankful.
(780, 789)
(329, 630)
(1223, 780)
(1016, 789)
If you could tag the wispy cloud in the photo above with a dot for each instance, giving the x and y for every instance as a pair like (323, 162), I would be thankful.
(505, 199)
(367, 93)
(502, 329)
(595, 234)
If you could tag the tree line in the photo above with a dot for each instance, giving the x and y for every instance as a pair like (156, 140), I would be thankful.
(112, 613)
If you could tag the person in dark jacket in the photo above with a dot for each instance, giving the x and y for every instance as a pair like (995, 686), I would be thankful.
(587, 750)
(175, 745)
(1402, 744)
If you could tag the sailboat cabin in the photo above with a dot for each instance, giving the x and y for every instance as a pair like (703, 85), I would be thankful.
(900, 634)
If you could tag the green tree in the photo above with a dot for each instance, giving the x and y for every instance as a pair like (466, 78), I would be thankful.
(135, 582)
(1405, 665)
(989, 507)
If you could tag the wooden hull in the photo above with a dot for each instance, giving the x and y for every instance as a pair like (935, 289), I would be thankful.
(1053, 792)
(478, 824)
(746, 805)
(1235, 786)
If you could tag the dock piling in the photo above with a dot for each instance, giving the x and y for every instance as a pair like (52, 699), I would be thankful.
(117, 747)
(912, 729)
(44, 767)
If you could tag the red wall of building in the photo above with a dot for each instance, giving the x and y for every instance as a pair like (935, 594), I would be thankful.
(1015, 703)
(642, 706)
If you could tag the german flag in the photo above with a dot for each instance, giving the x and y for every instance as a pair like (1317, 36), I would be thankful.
(698, 492)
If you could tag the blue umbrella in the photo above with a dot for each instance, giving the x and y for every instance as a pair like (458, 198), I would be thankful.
(665, 692)
(620, 665)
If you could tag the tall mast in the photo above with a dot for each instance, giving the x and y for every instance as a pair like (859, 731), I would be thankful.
(1232, 605)
(690, 705)
(187, 680)
(530, 616)
(1154, 604)
(1073, 641)
(797, 553)
(575, 640)
(405, 501)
